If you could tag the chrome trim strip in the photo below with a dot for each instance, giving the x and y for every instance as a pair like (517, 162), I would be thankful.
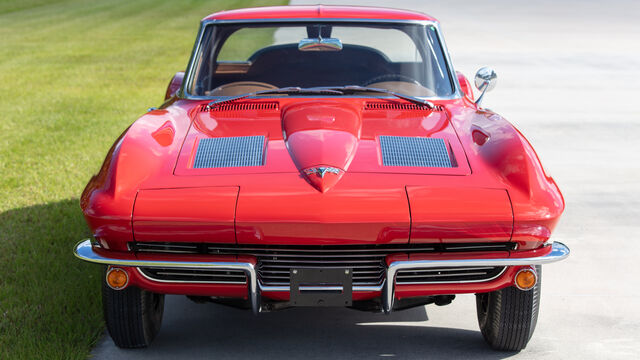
(559, 251)
(189, 281)
(84, 251)
(456, 282)
(183, 94)
(320, 288)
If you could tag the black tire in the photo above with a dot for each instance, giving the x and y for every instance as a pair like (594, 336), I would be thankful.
(508, 317)
(133, 315)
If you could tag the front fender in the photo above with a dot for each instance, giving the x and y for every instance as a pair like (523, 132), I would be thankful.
(146, 151)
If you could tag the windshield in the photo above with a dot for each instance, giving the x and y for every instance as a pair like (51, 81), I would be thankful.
(236, 59)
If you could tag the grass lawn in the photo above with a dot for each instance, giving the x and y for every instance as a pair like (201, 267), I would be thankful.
(73, 76)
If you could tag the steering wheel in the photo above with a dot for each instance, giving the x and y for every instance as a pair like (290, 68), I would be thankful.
(391, 77)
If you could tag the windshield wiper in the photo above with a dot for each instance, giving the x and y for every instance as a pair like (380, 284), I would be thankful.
(331, 90)
(284, 90)
(358, 88)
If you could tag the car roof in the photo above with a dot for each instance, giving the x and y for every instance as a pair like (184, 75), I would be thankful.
(319, 12)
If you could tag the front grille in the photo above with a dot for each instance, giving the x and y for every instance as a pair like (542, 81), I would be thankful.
(367, 261)
(448, 275)
(261, 250)
(368, 268)
(200, 275)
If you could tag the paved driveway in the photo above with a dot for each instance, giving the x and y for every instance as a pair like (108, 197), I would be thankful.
(569, 78)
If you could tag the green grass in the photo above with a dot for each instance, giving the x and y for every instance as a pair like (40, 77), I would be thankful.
(73, 76)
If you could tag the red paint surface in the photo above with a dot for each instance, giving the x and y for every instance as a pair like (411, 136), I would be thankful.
(318, 11)
(188, 214)
(475, 215)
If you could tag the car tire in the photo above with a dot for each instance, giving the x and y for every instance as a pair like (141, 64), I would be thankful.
(508, 317)
(133, 316)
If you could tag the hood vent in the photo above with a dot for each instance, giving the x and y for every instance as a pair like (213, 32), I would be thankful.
(242, 106)
(224, 152)
(386, 105)
(414, 151)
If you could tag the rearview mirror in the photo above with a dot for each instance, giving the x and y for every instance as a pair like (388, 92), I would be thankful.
(320, 44)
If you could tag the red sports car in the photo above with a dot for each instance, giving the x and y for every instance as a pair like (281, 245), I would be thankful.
(322, 156)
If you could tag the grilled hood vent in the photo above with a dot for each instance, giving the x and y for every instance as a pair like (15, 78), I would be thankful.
(414, 151)
(223, 152)
(381, 105)
(242, 106)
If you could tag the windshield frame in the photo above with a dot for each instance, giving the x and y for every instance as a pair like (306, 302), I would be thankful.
(189, 72)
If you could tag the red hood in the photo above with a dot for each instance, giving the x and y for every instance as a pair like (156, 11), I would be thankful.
(308, 137)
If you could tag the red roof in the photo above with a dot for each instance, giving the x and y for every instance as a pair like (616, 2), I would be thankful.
(319, 11)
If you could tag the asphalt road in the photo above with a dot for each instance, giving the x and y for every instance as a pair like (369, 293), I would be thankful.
(569, 78)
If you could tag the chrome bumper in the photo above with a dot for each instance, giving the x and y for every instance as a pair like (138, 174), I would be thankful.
(84, 251)
(559, 251)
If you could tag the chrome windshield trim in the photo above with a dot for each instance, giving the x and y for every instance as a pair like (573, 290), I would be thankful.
(84, 251)
(188, 77)
(559, 251)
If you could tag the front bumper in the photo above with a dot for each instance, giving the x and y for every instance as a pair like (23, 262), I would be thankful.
(558, 251)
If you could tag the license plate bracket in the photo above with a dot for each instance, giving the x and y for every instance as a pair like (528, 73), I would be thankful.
(321, 287)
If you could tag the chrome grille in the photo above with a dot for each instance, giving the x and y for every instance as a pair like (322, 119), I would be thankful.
(200, 275)
(367, 261)
(367, 269)
(237, 151)
(448, 275)
(414, 151)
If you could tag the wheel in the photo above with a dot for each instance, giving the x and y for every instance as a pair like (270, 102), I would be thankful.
(133, 315)
(508, 317)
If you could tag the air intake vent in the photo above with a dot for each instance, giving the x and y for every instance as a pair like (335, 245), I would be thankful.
(195, 275)
(449, 275)
(230, 152)
(244, 106)
(380, 105)
(414, 151)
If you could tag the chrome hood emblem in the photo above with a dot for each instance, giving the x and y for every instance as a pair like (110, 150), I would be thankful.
(322, 170)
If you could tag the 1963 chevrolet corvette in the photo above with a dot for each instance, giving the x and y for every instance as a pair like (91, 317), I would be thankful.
(322, 156)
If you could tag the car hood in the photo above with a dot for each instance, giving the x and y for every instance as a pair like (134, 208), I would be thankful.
(322, 172)
(321, 140)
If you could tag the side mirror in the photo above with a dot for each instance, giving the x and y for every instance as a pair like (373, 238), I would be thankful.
(174, 85)
(485, 80)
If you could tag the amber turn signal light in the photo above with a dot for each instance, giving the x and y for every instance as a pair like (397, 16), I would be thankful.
(526, 279)
(117, 278)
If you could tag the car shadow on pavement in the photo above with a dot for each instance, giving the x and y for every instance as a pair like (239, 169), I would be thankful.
(197, 331)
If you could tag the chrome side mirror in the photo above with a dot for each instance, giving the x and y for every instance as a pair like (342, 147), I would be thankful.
(485, 80)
